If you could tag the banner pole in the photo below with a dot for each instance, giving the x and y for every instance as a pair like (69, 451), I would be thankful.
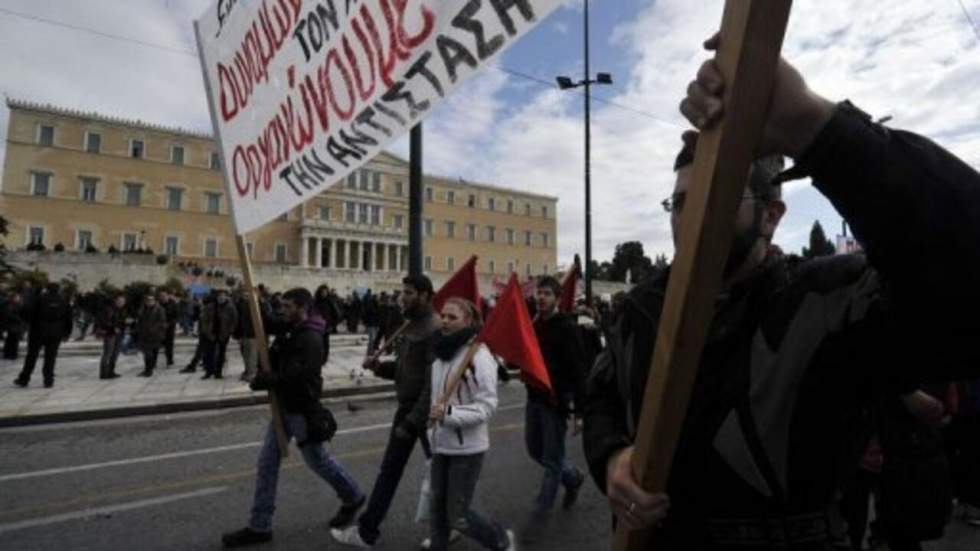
(246, 265)
(262, 342)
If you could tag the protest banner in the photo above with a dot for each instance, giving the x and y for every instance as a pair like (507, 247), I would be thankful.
(306, 91)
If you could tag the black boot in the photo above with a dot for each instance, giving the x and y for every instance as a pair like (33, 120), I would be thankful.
(245, 536)
(571, 491)
(347, 513)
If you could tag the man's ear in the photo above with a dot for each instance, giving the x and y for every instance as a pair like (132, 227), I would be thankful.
(774, 211)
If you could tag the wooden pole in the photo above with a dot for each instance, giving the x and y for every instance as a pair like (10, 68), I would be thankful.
(253, 301)
(388, 342)
(262, 342)
(457, 376)
(751, 38)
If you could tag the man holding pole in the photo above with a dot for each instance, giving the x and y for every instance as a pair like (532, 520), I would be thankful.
(297, 360)
(793, 348)
(415, 355)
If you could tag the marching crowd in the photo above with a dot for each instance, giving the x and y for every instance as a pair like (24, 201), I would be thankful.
(822, 383)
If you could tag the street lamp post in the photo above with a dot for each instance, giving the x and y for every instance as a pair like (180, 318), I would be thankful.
(566, 83)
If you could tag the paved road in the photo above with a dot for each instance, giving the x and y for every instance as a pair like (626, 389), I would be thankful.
(178, 482)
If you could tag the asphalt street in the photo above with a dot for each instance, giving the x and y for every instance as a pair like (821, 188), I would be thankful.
(177, 482)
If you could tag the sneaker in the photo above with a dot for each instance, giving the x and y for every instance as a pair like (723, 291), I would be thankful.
(454, 536)
(571, 492)
(347, 513)
(20, 382)
(188, 369)
(350, 536)
(245, 536)
(511, 542)
(48, 384)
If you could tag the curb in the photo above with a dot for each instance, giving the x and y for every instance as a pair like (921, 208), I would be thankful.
(371, 391)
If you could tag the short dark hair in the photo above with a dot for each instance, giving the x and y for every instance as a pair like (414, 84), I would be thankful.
(300, 297)
(549, 282)
(421, 284)
(763, 181)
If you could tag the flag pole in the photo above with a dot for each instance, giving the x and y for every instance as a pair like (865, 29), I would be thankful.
(246, 265)
(456, 377)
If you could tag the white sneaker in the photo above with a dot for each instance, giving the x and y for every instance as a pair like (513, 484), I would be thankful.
(454, 536)
(349, 536)
(511, 542)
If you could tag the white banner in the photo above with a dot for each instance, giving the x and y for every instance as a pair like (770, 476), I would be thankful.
(303, 92)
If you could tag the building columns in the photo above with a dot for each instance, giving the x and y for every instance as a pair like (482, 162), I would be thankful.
(304, 252)
(318, 253)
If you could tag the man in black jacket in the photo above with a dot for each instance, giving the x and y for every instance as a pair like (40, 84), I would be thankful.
(110, 326)
(297, 358)
(414, 357)
(795, 348)
(50, 321)
(546, 416)
(172, 310)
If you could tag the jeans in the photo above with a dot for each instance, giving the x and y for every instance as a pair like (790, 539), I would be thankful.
(544, 435)
(250, 356)
(397, 453)
(168, 344)
(110, 353)
(214, 356)
(453, 482)
(34, 346)
(316, 457)
(372, 335)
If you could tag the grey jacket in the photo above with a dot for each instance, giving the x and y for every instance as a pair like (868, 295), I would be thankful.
(414, 356)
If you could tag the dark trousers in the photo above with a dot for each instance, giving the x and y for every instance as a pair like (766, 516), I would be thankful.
(150, 354)
(110, 353)
(214, 355)
(453, 480)
(10, 344)
(544, 436)
(168, 344)
(198, 353)
(397, 453)
(34, 346)
(854, 507)
(962, 439)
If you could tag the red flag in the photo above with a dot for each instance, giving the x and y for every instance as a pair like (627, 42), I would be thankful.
(462, 284)
(569, 287)
(509, 334)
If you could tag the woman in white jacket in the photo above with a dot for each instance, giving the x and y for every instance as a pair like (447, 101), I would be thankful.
(459, 431)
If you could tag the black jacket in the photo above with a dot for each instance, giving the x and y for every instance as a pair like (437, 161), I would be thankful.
(50, 317)
(564, 355)
(794, 352)
(409, 370)
(111, 321)
(296, 356)
(172, 309)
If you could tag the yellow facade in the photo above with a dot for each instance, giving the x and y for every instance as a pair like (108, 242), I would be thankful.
(78, 178)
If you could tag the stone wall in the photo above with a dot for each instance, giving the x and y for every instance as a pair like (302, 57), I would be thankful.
(87, 270)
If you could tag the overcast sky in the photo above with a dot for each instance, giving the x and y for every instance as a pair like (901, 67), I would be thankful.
(917, 61)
